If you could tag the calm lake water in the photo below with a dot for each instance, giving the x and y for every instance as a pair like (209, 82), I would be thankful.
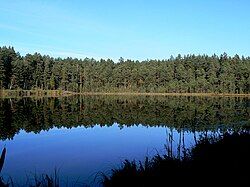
(85, 135)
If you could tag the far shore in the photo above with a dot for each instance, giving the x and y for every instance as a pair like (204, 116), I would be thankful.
(62, 93)
(167, 94)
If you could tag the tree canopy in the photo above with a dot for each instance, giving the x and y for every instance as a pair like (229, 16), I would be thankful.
(183, 74)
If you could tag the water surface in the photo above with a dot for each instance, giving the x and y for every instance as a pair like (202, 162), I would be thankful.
(84, 135)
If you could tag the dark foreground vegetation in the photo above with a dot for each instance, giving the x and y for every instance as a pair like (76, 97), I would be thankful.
(213, 161)
(182, 74)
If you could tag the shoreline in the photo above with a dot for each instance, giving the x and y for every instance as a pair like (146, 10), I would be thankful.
(166, 94)
(62, 93)
(35, 93)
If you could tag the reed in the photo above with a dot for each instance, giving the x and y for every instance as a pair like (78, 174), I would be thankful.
(217, 160)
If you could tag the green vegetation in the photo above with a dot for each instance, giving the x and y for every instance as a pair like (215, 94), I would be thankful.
(188, 113)
(183, 74)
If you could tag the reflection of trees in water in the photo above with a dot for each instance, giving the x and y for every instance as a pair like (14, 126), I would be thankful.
(188, 113)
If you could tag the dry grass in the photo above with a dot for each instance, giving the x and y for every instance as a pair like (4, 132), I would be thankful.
(167, 94)
(34, 93)
(62, 93)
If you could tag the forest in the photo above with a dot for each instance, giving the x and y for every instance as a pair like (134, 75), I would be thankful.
(181, 74)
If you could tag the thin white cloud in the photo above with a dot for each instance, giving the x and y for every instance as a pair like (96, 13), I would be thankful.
(20, 30)
(79, 55)
(11, 27)
(70, 54)
(54, 52)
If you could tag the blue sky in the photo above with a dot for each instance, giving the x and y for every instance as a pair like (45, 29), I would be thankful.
(136, 29)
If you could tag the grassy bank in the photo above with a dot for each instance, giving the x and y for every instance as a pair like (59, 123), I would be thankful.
(167, 94)
(59, 93)
(34, 93)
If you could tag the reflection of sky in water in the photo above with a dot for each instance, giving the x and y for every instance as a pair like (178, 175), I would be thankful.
(81, 152)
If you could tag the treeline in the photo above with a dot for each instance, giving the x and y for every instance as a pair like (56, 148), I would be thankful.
(183, 74)
(180, 113)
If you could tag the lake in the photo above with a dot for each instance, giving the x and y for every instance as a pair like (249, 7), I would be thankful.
(82, 136)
